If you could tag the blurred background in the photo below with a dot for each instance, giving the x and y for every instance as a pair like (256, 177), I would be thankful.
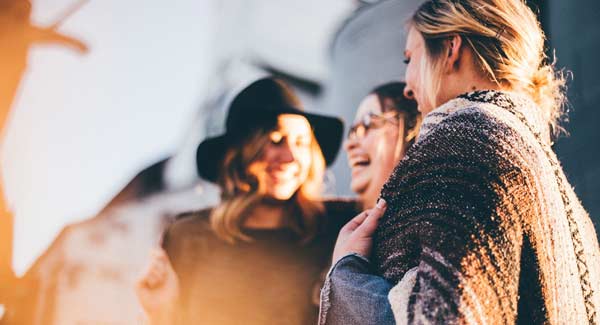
(104, 103)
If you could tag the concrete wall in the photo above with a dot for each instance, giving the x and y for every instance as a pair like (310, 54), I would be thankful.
(366, 52)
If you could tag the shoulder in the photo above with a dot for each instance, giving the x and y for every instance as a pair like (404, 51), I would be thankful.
(470, 120)
(471, 134)
(189, 235)
(338, 212)
(194, 215)
(472, 145)
(484, 118)
(341, 206)
(190, 223)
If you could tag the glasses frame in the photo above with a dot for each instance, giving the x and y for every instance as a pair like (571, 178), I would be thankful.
(370, 121)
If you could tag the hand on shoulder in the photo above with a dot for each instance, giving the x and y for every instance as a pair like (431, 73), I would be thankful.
(357, 235)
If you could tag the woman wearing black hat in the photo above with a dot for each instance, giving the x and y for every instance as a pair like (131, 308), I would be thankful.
(257, 257)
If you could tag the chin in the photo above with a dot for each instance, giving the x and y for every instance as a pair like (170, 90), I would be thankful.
(283, 194)
(359, 186)
(360, 192)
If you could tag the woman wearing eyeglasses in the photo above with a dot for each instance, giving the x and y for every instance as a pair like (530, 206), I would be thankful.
(385, 126)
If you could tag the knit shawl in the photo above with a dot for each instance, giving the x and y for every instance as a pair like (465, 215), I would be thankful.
(482, 214)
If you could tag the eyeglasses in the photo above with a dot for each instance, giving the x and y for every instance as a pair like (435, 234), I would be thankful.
(371, 121)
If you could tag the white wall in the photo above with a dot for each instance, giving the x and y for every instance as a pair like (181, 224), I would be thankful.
(82, 126)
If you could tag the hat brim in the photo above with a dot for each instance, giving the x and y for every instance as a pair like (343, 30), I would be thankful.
(209, 156)
(328, 132)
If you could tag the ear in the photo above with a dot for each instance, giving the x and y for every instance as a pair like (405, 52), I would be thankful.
(454, 54)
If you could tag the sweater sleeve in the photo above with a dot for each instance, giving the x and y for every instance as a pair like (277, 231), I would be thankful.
(450, 216)
(353, 295)
(185, 241)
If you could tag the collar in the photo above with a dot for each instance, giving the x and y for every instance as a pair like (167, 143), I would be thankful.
(497, 103)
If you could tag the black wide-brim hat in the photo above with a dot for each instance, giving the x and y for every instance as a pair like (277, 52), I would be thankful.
(257, 107)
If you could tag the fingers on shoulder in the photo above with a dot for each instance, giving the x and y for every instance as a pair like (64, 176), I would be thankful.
(357, 221)
(368, 226)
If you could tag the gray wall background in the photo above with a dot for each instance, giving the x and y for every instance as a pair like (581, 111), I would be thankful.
(573, 29)
(366, 52)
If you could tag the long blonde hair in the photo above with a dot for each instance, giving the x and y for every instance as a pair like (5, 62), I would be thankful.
(241, 191)
(508, 44)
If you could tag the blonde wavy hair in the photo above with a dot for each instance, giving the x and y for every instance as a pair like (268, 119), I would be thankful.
(508, 44)
(241, 191)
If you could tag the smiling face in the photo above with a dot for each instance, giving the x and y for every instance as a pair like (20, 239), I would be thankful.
(373, 154)
(285, 161)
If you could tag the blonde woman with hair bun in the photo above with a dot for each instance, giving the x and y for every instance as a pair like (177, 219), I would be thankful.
(478, 223)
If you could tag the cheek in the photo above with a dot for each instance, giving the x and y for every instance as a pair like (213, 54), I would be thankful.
(367, 142)
(413, 80)
(257, 169)
(371, 143)
(382, 149)
(305, 160)
(268, 153)
(410, 76)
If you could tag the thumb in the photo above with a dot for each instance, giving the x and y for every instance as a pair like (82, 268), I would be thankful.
(355, 222)
(367, 228)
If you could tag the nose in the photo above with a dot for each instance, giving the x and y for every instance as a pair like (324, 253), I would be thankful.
(285, 154)
(408, 93)
(350, 143)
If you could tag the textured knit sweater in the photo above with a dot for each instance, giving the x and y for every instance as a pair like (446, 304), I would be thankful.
(483, 225)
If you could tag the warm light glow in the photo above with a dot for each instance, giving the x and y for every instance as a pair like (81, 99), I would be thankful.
(82, 125)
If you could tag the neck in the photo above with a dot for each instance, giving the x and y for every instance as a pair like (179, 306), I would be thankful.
(267, 215)
(481, 85)
(368, 200)
(473, 82)
(466, 77)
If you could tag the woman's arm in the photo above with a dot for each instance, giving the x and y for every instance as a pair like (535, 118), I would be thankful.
(351, 293)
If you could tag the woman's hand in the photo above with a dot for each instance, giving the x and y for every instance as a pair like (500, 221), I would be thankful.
(356, 235)
(157, 288)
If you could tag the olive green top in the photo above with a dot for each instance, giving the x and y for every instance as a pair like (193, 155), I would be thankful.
(275, 279)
